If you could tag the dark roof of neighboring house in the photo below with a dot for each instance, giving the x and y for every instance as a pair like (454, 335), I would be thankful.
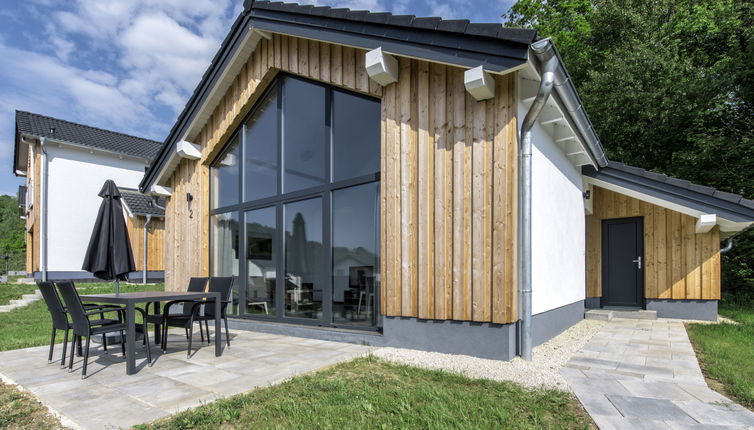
(141, 204)
(730, 206)
(446, 41)
(44, 126)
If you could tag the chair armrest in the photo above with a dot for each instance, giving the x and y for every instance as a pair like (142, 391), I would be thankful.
(103, 310)
(166, 306)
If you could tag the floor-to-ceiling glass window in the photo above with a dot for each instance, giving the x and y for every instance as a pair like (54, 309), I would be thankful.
(299, 182)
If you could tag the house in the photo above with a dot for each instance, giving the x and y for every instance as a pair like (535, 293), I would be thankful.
(65, 165)
(450, 165)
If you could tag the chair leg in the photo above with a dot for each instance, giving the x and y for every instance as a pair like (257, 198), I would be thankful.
(187, 333)
(74, 344)
(86, 356)
(201, 330)
(123, 342)
(146, 342)
(52, 344)
(104, 341)
(79, 349)
(65, 346)
(191, 337)
(227, 333)
(164, 338)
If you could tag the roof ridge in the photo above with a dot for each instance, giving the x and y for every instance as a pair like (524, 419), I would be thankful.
(88, 126)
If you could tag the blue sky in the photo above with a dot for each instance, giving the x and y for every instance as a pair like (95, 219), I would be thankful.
(130, 65)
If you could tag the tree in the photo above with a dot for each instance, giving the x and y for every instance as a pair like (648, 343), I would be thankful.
(11, 227)
(669, 86)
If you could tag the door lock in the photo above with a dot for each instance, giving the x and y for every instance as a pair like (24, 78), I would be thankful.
(638, 262)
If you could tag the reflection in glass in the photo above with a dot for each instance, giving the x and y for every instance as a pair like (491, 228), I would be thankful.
(261, 151)
(356, 136)
(355, 224)
(303, 259)
(260, 256)
(303, 135)
(225, 250)
(225, 177)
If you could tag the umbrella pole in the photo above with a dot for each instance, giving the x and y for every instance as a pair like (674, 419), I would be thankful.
(117, 286)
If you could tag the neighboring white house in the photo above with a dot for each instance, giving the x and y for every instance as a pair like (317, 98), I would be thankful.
(65, 165)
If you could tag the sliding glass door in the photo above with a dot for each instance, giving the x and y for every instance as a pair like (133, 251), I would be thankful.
(305, 202)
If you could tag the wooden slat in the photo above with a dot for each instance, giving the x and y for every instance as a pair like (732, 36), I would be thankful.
(314, 59)
(478, 172)
(448, 268)
(499, 201)
(459, 136)
(303, 57)
(425, 293)
(693, 272)
(650, 264)
(438, 129)
(511, 205)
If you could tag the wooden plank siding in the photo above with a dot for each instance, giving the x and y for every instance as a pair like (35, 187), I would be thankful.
(448, 181)
(678, 262)
(155, 242)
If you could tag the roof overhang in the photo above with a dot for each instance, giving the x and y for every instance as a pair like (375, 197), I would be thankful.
(731, 217)
(464, 50)
(49, 141)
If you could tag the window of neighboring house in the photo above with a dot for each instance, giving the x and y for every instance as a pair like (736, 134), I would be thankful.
(300, 179)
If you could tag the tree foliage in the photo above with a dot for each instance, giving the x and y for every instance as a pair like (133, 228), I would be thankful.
(11, 227)
(669, 86)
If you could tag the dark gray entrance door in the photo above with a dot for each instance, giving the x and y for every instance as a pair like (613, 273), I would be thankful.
(622, 265)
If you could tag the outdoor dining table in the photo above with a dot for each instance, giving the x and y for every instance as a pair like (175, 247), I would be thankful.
(131, 299)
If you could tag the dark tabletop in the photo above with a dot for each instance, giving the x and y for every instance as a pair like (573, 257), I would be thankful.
(146, 296)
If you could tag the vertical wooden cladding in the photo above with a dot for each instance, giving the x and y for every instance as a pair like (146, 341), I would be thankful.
(155, 242)
(187, 228)
(448, 181)
(678, 263)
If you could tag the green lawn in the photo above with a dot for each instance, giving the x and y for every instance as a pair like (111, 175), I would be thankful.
(30, 325)
(726, 352)
(369, 393)
(11, 291)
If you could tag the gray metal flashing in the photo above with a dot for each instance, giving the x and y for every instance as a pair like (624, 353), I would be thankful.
(141, 204)
(485, 340)
(704, 310)
(728, 206)
(549, 324)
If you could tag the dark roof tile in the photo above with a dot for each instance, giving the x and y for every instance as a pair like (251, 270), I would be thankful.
(487, 30)
(378, 17)
(427, 23)
(357, 15)
(702, 189)
(400, 20)
(453, 25)
(733, 198)
(52, 128)
(141, 204)
(674, 181)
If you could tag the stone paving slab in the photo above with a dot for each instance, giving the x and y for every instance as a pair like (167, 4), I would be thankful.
(640, 374)
(173, 383)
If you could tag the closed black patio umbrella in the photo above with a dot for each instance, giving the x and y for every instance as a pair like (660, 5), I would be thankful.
(109, 254)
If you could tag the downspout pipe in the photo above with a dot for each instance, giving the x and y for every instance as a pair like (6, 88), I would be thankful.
(144, 252)
(43, 209)
(728, 246)
(525, 192)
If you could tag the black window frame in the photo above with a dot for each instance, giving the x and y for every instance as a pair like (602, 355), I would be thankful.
(280, 199)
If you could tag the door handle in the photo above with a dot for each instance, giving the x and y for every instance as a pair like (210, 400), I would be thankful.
(638, 262)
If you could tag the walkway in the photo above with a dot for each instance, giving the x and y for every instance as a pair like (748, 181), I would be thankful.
(643, 374)
(108, 398)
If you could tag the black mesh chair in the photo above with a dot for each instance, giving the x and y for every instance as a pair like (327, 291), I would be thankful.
(83, 326)
(200, 310)
(195, 285)
(60, 317)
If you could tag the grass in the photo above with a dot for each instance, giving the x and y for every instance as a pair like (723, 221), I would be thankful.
(11, 291)
(19, 410)
(368, 393)
(726, 352)
(30, 325)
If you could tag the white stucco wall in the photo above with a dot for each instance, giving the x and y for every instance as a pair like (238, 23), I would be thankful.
(558, 225)
(75, 178)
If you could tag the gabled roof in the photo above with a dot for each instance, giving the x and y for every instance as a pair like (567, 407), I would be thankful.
(456, 42)
(729, 206)
(36, 125)
(141, 204)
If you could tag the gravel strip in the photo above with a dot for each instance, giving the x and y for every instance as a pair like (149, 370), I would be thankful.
(542, 371)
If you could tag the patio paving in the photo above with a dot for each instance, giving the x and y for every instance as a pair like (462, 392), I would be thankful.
(108, 398)
(643, 374)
